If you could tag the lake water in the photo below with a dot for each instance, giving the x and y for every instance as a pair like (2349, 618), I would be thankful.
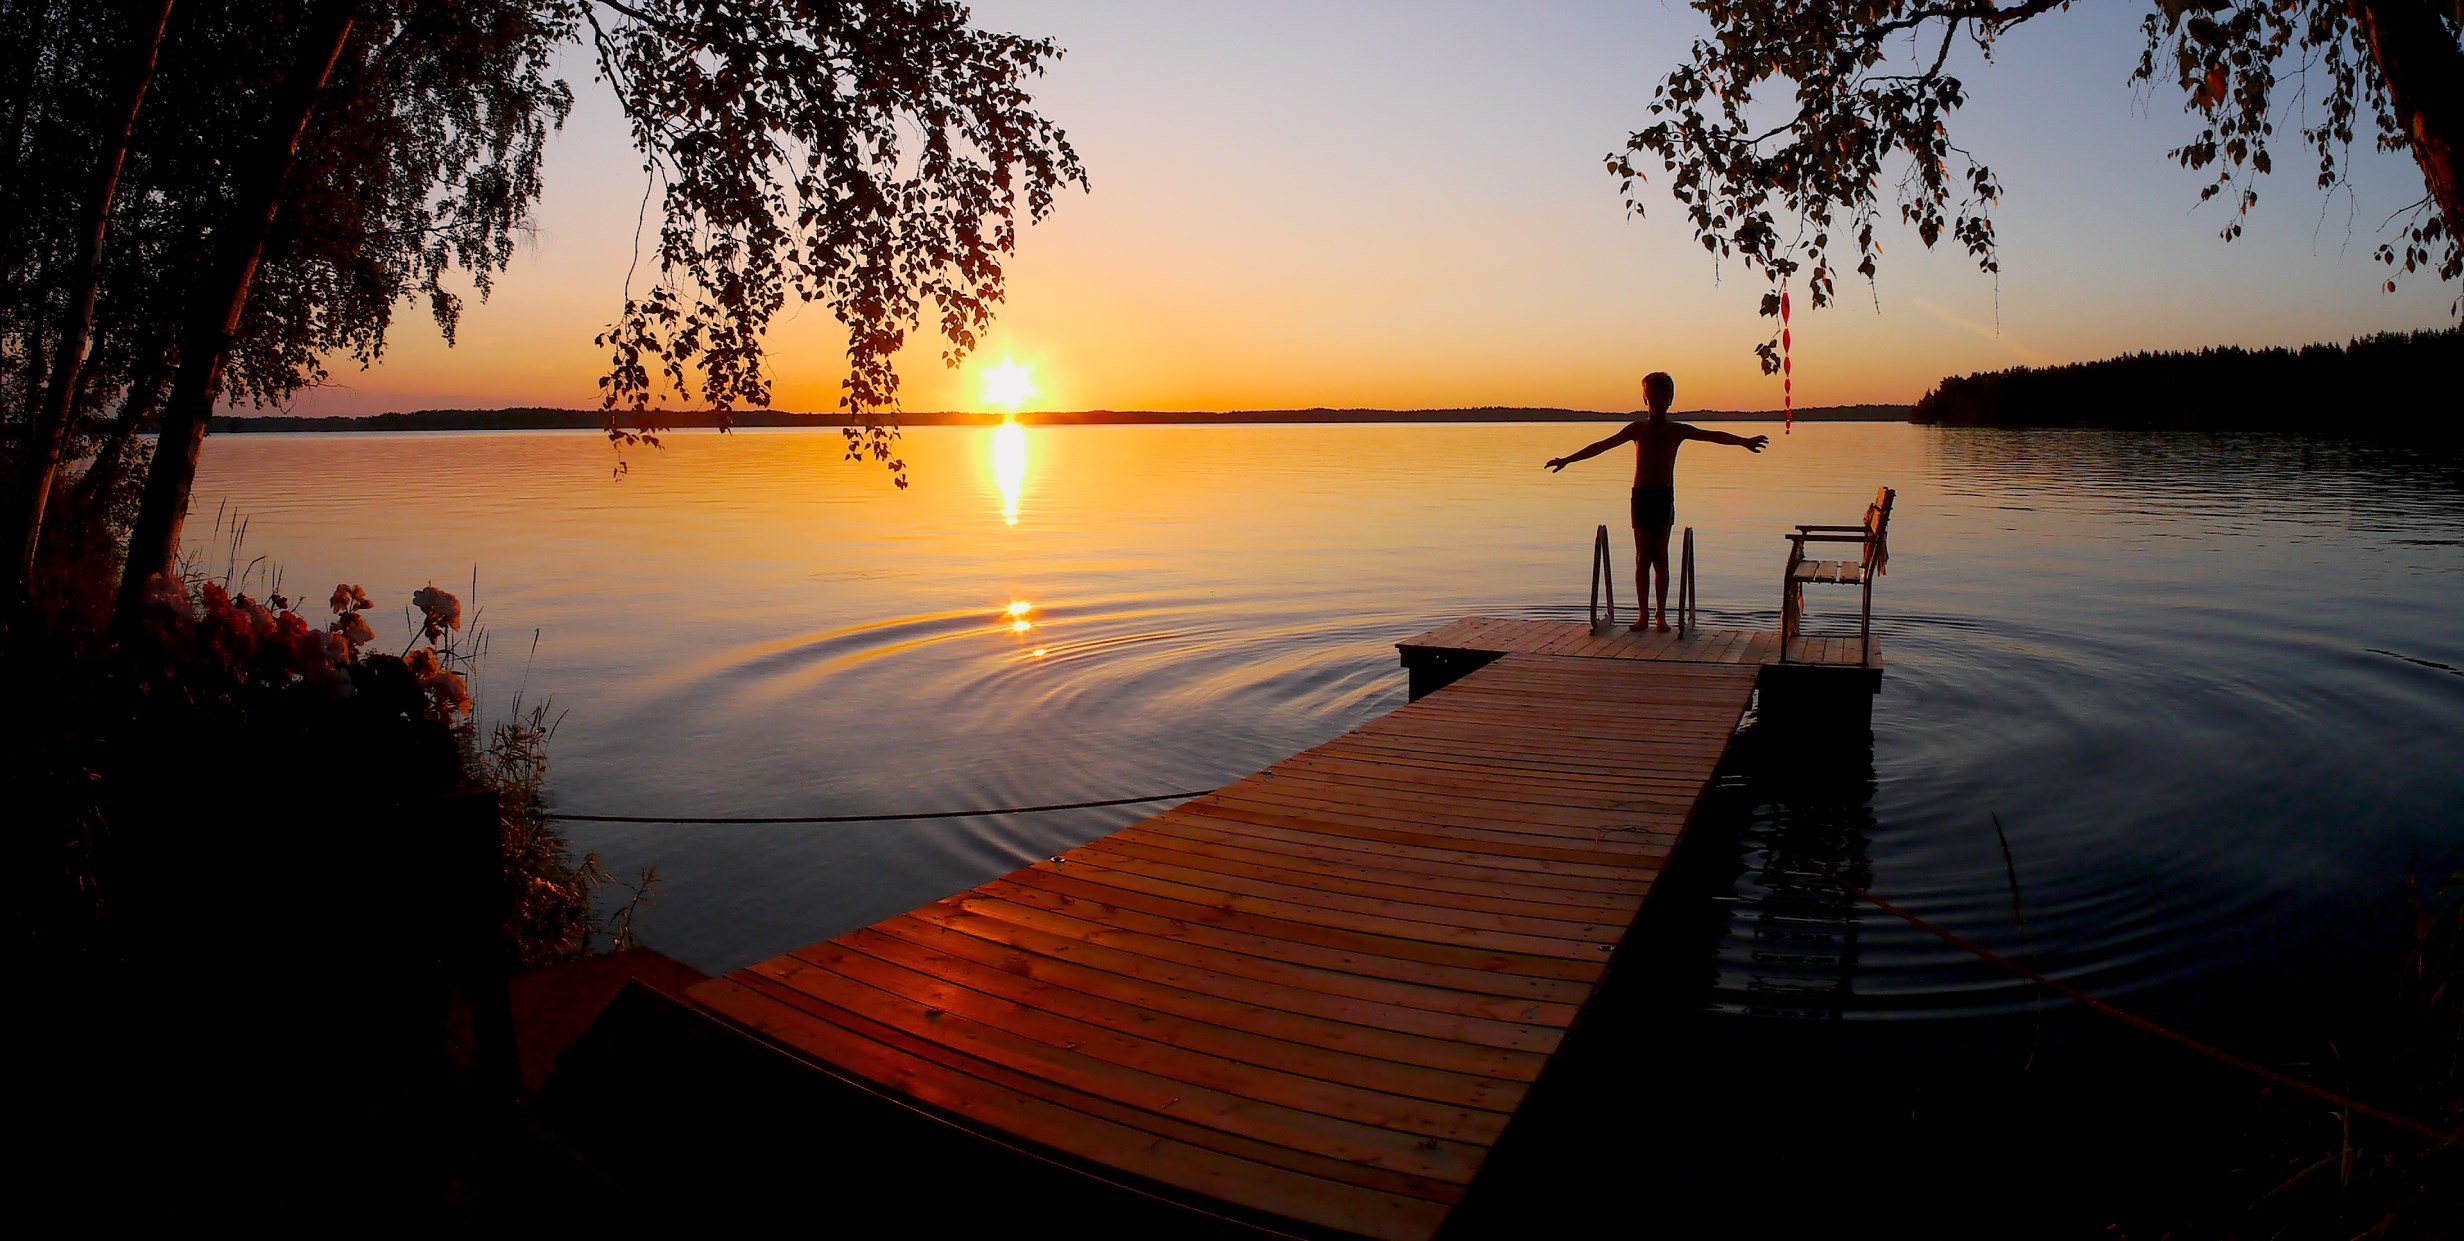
(2207, 684)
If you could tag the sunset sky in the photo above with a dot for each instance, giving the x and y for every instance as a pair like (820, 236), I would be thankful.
(1401, 205)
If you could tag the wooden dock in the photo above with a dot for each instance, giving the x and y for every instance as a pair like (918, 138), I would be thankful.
(1492, 635)
(1315, 997)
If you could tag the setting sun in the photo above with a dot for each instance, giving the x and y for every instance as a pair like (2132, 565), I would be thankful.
(1007, 386)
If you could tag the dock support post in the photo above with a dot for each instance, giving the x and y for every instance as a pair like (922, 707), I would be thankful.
(1816, 696)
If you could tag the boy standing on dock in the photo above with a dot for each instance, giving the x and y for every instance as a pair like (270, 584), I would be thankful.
(1656, 440)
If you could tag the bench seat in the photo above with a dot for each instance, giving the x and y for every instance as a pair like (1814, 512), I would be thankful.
(1844, 572)
(1868, 538)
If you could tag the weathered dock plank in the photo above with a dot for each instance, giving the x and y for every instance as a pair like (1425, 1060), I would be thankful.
(1484, 636)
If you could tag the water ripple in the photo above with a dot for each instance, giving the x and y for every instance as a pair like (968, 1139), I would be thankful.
(2206, 683)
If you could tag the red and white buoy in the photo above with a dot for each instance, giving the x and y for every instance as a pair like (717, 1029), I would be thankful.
(1788, 384)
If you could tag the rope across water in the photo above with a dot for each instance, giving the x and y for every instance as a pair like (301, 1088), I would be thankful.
(562, 817)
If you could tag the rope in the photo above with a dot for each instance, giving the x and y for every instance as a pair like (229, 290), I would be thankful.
(871, 818)
(2135, 1021)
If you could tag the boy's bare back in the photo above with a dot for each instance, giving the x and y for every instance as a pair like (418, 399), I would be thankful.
(1656, 441)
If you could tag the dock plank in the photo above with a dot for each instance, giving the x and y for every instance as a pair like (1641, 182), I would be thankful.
(1576, 640)
(1134, 1045)
(1363, 1200)
(1398, 1001)
(1326, 995)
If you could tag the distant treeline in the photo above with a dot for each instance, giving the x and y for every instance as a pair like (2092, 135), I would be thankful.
(2374, 383)
(578, 419)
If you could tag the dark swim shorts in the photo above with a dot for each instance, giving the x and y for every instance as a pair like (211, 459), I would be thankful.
(1655, 506)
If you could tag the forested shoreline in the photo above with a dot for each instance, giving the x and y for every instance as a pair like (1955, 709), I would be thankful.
(534, 419)
(2372, 384)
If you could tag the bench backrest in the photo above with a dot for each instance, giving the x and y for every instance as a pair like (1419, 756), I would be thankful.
(1877, 518)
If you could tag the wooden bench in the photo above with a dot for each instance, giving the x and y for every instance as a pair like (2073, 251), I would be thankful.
(1859, 572)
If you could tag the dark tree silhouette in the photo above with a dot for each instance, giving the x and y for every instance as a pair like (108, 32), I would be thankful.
(2221, 389)
(1874, 97)
(298, 170)
(47, 424)
(221, 296)
(868, 156)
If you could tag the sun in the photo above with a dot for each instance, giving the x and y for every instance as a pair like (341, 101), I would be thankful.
(1008, 385)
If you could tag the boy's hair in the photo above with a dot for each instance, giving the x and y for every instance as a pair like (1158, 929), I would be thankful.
(1659, 389)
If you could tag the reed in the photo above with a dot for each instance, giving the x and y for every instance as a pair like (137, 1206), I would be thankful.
(2396, 1041)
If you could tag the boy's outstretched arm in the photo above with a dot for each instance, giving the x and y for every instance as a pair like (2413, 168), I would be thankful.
(1749, 443)
(1559, 463)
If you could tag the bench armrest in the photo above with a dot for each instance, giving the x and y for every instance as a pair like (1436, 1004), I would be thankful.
(1804, 537)
(1802, 526)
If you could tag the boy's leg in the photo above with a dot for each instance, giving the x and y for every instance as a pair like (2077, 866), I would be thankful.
(1659, 564)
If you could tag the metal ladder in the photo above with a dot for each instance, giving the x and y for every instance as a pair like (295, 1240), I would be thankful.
(1604, 581)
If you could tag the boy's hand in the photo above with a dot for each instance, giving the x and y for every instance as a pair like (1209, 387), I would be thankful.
(1755, 444)
(1556, 464)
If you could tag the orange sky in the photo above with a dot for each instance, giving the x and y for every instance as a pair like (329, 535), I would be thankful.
(1402, 206)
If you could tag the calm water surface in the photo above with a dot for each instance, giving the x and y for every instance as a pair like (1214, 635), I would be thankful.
(2207, 684)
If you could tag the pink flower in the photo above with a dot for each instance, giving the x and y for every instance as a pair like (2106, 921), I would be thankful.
(354, 629)
(348, 598)
(312, 653)
(438, 610)
(453, 696)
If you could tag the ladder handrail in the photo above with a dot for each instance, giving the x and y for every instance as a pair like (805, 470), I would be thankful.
(1602, 573)
(1685, 587)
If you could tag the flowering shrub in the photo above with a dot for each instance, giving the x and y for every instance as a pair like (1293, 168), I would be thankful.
(217, 710)
(239, 642)
(252, 649)
(272, 645)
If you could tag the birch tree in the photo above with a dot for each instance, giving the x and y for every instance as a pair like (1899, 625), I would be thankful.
(1865, 136)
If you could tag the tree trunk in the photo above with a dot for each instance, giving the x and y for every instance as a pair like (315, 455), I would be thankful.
(2424, 70)
(205, 346)
(47, 429)
(136, 409)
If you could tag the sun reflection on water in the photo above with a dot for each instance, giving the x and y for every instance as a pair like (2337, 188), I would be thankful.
(1009, 466)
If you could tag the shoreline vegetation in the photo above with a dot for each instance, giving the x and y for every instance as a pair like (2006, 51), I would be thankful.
(2315, 388)
(535, 419)
(2220, 388)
